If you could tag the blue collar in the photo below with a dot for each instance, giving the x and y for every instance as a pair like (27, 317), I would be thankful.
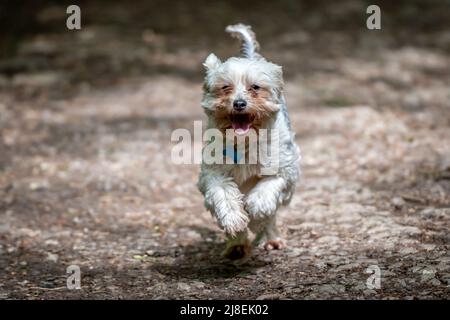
(233, 154)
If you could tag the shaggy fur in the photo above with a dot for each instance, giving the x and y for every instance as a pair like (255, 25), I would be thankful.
(238, 195)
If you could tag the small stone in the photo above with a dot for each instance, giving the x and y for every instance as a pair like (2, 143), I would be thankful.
(38, 185)
(51, 242)
(329, 289)
(347, 267)
(435, 282)
(442, 266)
(407, 251)
(434, 213)
(112, 288)
(369, 292)
(360, 287)
(294, 252)
(198, 284)
(403, 283)
(320, 265)
(53, 257)
(410, 230)
(157, 287)
(398, 202)
(270, 296)
(428, 247)
(42, 79)
(183, 286)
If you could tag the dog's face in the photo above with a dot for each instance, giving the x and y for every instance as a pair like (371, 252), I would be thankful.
(241, 93)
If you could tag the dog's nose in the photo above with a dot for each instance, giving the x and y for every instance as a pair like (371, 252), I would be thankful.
(239, 104)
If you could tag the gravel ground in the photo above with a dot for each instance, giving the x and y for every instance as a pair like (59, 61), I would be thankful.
(86, 177)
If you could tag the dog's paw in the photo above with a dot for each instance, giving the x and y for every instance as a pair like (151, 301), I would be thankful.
(261, 204)
(238, 251)
(276, 244)
(232, 224)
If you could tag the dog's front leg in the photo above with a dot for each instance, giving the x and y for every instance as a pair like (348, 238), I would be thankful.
(224, 200)
(265, 197)
(261, 204)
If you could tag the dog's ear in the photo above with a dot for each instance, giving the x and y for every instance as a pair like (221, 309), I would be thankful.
(277, 75)
(212, 62)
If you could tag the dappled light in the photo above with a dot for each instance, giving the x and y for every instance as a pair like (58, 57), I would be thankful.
(86, 176)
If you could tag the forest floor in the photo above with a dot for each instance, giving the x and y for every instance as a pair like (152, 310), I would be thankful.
(86, 176)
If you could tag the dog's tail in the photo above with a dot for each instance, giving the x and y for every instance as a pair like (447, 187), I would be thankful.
(250, 46)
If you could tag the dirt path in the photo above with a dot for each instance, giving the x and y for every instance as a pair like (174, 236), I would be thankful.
(86, 177)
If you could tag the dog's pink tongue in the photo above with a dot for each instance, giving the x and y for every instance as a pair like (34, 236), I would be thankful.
(241, 127)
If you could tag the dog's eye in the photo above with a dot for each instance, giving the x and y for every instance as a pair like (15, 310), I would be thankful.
(225, 87)
(255, 87)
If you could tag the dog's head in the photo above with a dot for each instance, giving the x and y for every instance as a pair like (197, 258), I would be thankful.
(241, 93)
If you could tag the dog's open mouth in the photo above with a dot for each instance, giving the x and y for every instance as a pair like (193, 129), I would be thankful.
(241, 123)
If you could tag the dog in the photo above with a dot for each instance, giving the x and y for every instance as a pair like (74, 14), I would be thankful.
(245, 94)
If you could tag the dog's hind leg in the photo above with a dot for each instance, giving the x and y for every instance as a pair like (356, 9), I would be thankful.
(238, 247)
(267, 234)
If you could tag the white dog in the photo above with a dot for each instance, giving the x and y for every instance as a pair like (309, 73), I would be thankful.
(245, 95)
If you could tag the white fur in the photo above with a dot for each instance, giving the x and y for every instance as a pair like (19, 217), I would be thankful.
(246, 35)
(229, 192)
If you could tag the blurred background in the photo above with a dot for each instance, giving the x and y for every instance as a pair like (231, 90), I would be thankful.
(85, 171)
